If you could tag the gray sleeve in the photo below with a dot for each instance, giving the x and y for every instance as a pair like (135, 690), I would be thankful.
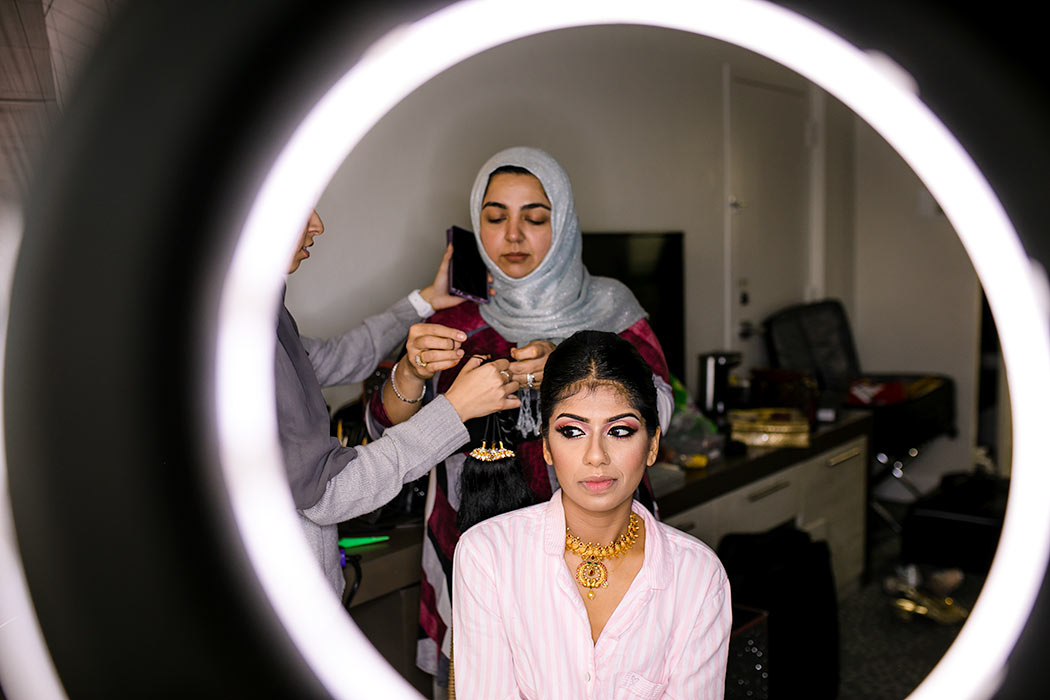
(404, 453)
(353, 356)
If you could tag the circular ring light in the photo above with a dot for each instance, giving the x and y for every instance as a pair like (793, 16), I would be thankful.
(391, 69)
(388, 73)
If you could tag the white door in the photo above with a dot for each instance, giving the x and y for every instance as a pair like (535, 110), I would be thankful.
(768, 204)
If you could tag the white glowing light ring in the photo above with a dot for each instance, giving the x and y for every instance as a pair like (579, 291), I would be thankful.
(340, 656)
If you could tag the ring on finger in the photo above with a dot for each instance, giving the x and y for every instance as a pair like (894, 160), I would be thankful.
(530, 379)
(420, 362)
(506, 375)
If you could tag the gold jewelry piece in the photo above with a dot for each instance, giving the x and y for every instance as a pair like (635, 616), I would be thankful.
(505, 374)
(420, 361)
(592, 573)
(491, 454)
(393, 385)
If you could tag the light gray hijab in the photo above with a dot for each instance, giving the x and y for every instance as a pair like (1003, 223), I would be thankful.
(559, 297)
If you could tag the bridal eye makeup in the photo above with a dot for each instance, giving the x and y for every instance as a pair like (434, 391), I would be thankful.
(597, 433)
(622, 427)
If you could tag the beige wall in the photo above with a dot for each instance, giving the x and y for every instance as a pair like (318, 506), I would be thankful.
(839, 207)
(635, 116)
(917, 298)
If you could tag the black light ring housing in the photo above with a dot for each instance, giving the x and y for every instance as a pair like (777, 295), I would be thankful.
(135, 569)
(127, 237)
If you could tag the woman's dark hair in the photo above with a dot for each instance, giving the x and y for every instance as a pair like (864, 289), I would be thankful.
(594, 358)
(512, 169)
(507, 169)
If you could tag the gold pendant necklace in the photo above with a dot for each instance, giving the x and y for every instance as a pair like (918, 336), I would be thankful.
(592, 573)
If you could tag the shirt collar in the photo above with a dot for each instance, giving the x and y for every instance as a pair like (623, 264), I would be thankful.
(554, 526)
(656, 567)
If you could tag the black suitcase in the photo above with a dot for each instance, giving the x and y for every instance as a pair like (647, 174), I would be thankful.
(788, 575)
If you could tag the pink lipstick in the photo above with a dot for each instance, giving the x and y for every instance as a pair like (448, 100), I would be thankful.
(598, 485)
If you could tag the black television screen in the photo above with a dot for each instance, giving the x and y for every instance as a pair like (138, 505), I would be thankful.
(650, 264)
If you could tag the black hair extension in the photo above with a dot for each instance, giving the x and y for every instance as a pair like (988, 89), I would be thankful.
(492, 481)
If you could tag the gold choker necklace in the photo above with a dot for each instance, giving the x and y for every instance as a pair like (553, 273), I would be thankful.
(591, 573)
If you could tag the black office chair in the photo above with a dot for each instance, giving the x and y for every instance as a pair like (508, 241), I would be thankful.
(816, 338)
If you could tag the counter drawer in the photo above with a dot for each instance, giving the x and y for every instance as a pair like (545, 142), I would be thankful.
(756, 507)
(834, 507)
(834, 481)
(699, 521)
(763, 504)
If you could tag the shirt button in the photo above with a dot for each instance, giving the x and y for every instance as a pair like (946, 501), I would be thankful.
(587, 677)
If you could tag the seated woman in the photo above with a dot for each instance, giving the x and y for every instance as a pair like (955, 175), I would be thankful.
(525, 223)
(587, 595)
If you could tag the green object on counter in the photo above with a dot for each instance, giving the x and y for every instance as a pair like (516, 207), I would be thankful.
(351, 542)
(680, 394)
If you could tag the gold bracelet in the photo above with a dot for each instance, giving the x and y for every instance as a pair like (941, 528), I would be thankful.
(393, 385)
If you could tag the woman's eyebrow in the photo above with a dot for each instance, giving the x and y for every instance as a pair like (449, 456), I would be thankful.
(534, 205)
(607, 420)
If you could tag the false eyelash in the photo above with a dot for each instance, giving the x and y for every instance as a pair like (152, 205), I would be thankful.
(570, 431)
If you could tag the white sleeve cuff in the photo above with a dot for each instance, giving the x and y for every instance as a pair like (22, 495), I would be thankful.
(423, 309)
(664, 403)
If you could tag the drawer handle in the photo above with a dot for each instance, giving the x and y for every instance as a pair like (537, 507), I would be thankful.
(759, 495)
(844, 457)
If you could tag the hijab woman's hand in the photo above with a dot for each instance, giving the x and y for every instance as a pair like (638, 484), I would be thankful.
(437, 294)
(529, 361)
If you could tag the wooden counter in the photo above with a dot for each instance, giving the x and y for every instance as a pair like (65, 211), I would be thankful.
(696, 486)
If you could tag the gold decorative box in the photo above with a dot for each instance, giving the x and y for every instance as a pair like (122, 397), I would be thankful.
(769, 427)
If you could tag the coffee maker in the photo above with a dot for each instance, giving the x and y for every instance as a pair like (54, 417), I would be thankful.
(714, 396)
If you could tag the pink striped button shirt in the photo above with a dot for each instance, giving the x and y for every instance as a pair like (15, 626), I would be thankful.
(520, 629)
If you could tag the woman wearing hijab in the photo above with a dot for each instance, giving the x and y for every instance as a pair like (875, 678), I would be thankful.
(525, 224)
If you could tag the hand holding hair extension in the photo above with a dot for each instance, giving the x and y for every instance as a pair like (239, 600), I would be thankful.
(482, 388)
